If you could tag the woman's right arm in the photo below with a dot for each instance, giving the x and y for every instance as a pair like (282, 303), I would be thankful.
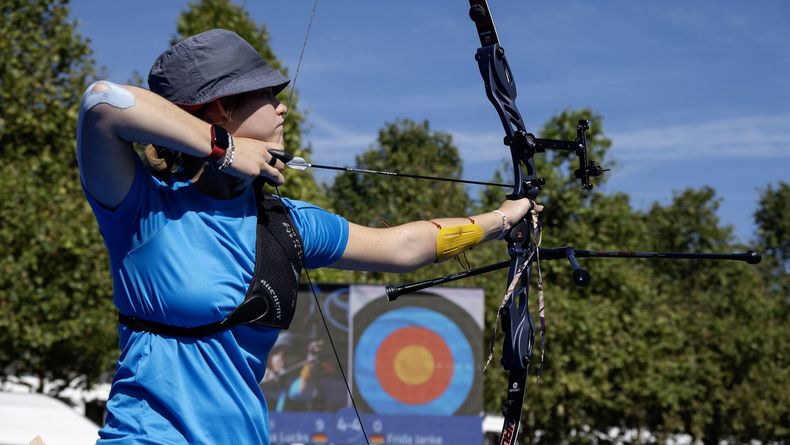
(112, 117)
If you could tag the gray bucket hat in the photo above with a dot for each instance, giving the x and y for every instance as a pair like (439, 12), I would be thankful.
(209, 65)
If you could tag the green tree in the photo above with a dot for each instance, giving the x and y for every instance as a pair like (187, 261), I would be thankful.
(654, 347)
(773, 221)
(773, 235)
(724, 379)
(378, 201)
(202, 15)
(55, 293)
(659, 347)
(402, 146)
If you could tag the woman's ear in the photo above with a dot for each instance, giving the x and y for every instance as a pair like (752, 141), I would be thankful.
(216, 113)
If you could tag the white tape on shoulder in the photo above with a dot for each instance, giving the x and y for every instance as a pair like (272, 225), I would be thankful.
(101, 92)
(104, 92)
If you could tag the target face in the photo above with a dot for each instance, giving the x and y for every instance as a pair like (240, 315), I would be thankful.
(420, 358)
(414, 365)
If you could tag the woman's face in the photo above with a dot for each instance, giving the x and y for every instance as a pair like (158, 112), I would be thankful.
(260, 117)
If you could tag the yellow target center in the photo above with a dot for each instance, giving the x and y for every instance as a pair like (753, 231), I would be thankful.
(414, 365)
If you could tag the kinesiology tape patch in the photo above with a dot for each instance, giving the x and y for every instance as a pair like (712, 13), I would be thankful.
(453, 240)
(104, 92)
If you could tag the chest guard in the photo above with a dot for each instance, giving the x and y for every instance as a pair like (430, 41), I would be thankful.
(271, 298)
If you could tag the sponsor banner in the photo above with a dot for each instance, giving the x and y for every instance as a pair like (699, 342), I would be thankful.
(343, 428)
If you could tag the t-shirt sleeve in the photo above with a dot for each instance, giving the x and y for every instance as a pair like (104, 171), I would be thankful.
(120, 226)
(324, 234)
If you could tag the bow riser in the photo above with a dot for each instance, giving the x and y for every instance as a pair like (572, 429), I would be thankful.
(519, 330)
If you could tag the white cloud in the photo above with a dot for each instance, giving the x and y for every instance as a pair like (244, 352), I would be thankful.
(480, 146)
(331, 138)
(737, 138)
(335, 142)
(756, 137)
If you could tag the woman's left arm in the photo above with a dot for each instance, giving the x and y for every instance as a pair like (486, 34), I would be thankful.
(413, 245)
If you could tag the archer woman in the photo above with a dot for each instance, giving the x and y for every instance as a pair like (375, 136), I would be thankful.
(205, 266)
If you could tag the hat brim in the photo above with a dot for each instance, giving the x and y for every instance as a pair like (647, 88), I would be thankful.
(258, 78)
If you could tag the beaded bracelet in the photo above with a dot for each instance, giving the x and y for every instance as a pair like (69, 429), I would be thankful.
(228, 159)
(505, 224)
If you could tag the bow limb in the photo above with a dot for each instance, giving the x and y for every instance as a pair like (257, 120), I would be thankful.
(519, 334)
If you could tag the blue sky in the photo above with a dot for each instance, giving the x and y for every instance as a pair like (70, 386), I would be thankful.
(693, 93)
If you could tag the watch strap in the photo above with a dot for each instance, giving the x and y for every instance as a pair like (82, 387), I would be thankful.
(220, 141)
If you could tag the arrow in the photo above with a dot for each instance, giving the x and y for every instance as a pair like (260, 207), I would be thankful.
(298, 163)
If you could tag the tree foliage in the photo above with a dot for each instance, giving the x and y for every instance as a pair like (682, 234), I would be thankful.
(731, 326)
(657, 348)
(773, 221)
(402, 146)
(379, 201)
(55, 293)
(773, 235)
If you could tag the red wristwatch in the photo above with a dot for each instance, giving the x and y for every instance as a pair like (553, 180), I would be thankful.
(220, 141)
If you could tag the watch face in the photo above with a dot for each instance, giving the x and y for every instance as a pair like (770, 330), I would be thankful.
(221, 138)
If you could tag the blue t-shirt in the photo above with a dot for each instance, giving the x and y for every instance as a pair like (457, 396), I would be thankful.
(182, 258)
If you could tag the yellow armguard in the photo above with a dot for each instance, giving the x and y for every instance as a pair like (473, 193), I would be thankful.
(453, 240)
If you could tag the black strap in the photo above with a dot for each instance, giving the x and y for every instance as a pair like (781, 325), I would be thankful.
(270, 300)
(138, 324)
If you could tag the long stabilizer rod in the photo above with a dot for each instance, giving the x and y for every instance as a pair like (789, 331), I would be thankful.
(580, 276)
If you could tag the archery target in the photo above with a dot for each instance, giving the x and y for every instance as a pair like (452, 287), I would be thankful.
(421, 357)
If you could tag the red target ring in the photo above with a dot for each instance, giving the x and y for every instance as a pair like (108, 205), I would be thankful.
(414, 365)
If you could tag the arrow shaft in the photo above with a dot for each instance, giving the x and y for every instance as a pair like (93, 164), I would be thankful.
(406, 175)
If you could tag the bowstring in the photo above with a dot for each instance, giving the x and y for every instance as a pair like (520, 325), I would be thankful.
(301, 53)
(337, 356)
(329, 336)
(307, 275)
(537, 235)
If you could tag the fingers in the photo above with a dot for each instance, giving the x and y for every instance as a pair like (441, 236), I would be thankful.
(281, 154)
(278, 156)
(273, 171)
(534, 206)
(518, 209)
(253, 159)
